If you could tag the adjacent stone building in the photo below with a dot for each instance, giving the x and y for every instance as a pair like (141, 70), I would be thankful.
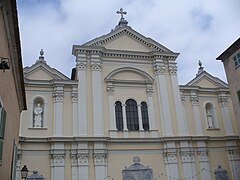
(123, 101)
(12, 93)
(231, 61)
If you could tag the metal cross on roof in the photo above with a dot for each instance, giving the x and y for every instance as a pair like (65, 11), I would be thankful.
(121, 12)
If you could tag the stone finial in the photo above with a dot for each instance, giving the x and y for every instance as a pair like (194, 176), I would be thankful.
(136, 160)
(41, 53)
(200, 63)
(41, 57)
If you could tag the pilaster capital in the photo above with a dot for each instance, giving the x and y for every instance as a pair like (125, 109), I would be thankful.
(57, 160)
(149, 91)
(74, 161)
(81, 65)
(100, 159)
(159, 70)
(172, 70)
(233, 155)
(203, 156)
(74, 97)
(170, 157)
(110, 89)
(187, 156)
(223, 100)
(96, 66)
(58, 97)
(194, 100)
(82, 159)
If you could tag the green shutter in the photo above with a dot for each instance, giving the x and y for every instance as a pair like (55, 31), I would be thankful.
(238, 96)
(1, 150)
(2, 122)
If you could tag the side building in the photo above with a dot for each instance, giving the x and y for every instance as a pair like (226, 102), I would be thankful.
(12, 93)
(124, 102)
(231, 61)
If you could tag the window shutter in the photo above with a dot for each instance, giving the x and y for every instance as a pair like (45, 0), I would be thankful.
(2, 122)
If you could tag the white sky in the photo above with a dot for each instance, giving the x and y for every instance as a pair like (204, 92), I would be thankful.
(197, 29)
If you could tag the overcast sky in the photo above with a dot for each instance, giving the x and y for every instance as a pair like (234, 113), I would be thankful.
(197, 29)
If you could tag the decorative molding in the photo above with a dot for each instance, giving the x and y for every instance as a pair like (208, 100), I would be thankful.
(74, 161)
(183, 100)
(149, 90)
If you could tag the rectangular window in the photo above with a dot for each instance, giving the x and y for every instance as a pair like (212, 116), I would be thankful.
(237, 60)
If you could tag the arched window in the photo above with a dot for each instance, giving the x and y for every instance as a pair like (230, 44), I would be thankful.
(119, 116)
(145, 120)
(132, 115)
(211, 117)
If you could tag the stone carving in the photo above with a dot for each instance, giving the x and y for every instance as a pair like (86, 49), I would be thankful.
(38, 112)
(137, 171)
(149, 91)
(110, 90)
(35, 176)
(220, 173)
(210, 119)
(183, 100)
(74, 161)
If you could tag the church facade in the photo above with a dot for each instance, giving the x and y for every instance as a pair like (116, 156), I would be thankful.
(124, 102)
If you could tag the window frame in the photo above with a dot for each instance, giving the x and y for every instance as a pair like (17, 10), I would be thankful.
(119, 116)
(236, 60)
(145, 116)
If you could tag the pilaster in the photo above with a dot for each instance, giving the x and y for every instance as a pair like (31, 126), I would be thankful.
(194, 100)
(81, 66)
(75, 110)
(223, 101)
(100, 161)
(57, 161)
(171, 160)
(177, 99)
(159, 68)
(58, 111)
(203, 159)
(96, 65)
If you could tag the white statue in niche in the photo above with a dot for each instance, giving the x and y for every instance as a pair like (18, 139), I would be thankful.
(210, 120)
(38, 115)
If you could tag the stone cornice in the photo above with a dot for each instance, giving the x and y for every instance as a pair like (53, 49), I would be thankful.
(30, 82)
(126, 140)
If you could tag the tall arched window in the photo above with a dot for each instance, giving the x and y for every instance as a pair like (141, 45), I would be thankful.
(145, 120)
(210, 114)
(132, 115)
(119, 116)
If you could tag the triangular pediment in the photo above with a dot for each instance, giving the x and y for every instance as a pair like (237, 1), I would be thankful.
(127, 39)
(205, 80)
(42, 71)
